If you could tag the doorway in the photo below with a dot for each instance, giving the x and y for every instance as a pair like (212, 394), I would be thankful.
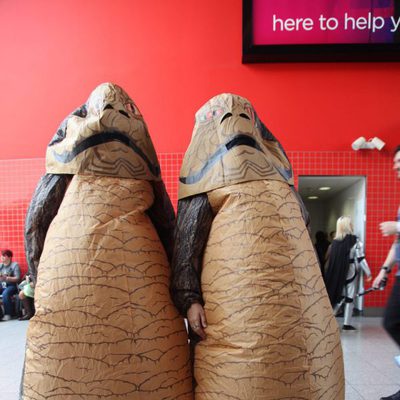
(328, 197)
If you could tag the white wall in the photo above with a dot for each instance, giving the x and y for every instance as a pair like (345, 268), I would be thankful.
(350, 201)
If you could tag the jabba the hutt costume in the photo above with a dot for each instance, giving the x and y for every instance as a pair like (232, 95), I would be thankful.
(242, 250)
(101, 223)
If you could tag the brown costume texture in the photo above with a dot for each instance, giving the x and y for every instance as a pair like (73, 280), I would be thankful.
(105, 327)
(271, 333)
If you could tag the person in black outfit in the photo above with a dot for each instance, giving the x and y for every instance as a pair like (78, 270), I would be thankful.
(321, 246)
(346, 262)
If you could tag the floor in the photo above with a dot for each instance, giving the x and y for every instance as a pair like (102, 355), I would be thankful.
(368, 352)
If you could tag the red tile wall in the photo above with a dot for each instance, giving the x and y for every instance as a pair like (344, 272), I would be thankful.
(383, 196)
(18, 179)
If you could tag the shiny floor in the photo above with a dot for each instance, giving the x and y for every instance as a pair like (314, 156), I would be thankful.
(370, 368)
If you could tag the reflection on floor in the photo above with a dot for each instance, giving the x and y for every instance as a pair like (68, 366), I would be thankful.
(370, 369)
(369, 360)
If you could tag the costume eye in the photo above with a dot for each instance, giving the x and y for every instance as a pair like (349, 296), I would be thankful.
(211, 114)
(132, 108)
(249, 111)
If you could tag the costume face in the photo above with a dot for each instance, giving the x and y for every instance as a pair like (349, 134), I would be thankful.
(105, 136)
(230, 145)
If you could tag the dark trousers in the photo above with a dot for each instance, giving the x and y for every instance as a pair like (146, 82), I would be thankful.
(8, 304)
(391, 320)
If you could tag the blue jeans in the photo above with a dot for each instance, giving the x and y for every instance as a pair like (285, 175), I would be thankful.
(7, 293)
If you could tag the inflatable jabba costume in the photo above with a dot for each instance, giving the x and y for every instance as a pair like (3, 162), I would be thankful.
(101, 223)
(242, 251)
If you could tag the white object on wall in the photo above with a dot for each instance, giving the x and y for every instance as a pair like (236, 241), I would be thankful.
(362, 143)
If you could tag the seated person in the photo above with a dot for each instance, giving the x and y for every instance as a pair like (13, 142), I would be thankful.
(26, 296)
(10, 275)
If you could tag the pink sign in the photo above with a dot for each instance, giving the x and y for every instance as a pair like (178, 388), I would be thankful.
(277, 22)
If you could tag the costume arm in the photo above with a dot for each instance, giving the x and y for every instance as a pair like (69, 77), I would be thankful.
(43, 208)
(193, 226)
(162, 216)
(360, 258)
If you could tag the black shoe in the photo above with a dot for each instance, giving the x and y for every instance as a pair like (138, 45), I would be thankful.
(395, 396)
(349, 328)
(26, 317)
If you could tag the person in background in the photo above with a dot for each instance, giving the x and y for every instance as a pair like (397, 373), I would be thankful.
(10, 275)
(391, 320)
(321, 246)
(26, 295)
(345, 262)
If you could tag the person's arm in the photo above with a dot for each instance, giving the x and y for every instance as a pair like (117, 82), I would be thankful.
(389, 228)
(16, 274)
(11, 279)
(162, 216)
(360, 258)
(43, 208)
(191, 233)
(390, 261)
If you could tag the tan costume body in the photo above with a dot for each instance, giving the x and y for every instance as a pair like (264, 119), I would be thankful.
(105, 329)
(271, 333)
(105, 326)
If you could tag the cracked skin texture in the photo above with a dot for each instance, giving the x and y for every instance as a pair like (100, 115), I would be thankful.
(271, 333)
(105, 327)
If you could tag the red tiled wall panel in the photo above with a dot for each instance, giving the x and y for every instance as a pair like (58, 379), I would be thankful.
(18, 179)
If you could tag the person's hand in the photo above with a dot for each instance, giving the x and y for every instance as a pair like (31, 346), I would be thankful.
(369, 279)
(388, 228)
(378, 279)
(197, 319)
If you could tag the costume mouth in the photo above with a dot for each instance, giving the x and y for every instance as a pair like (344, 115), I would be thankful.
(106, 137)
(238, 140)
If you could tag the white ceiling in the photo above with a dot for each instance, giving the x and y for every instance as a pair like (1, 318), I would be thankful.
(309, 185)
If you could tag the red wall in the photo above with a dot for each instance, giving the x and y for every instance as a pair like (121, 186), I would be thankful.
(171, 56)
(18, 179)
